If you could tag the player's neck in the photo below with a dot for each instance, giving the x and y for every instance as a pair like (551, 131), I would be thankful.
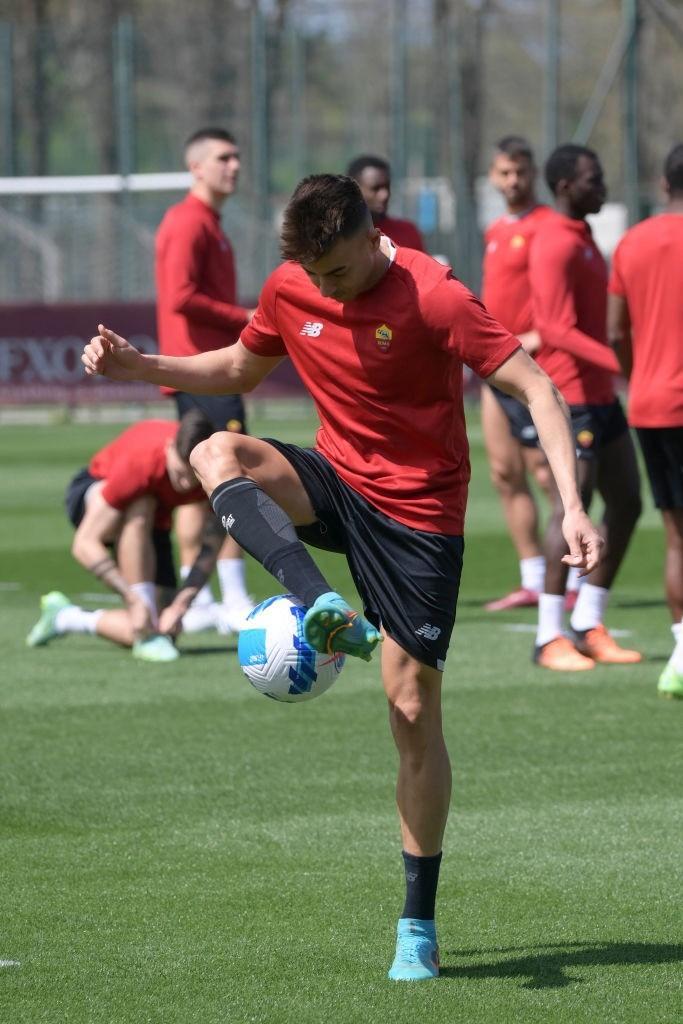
(564, 207)
(215, 200)
(675, 205)
(520, 208)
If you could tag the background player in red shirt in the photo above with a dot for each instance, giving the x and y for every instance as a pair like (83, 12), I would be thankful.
(569, 287)
(197, 311)
(124, 501)
(509, 433)
(645, 323)
(373, 175)
(379, 335)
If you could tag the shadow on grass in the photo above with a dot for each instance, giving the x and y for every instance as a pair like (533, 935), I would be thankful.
(208, 649)
(548, 969)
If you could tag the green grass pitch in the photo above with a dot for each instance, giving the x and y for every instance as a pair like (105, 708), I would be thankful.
(175, 848)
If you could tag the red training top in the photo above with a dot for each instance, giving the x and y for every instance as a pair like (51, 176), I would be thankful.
(648, 272)
(506, 292)
(195, 280)
(385, 373)
(134, 463)
(401, 232)
(568, 278)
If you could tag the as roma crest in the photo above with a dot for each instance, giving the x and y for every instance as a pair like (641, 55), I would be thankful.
(383, 337)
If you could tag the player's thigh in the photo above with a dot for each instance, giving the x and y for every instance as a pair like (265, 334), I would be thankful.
(411, 686)
(504, 454)
(225, 456)
(618, 477)
(536, 465)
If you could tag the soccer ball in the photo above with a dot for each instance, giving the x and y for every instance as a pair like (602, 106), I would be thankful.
(275, 657)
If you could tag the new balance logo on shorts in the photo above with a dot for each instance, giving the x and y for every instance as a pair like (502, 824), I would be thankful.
(311, 329)
(428, 631)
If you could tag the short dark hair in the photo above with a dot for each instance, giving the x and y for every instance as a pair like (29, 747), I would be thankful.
(218, 134)
(673, 169)
(515, 146)
(194, 427)
(360, 163)
(561, 164)
(323, 209)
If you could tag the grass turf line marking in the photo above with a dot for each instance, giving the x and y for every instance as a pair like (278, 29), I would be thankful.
(10, 963)
(7, 585)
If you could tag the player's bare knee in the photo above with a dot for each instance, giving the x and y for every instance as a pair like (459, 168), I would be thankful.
(216, 459)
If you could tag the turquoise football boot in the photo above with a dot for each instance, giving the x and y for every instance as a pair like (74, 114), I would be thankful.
(670, 683)
(155, 648)
(44, 629)
(417, 954)
(331, 626)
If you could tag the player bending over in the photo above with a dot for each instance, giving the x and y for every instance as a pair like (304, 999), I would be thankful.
(124, 500)
(379, 336)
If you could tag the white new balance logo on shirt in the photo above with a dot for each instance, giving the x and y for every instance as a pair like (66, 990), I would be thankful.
(311, 329)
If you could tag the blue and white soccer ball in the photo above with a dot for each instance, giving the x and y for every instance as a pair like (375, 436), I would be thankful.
(275, 657)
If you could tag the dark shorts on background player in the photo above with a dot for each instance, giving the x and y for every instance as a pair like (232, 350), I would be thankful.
(662, 449)
(522, 427)
(596, 426)
(408, 580)
(226, 412)
(74, 500)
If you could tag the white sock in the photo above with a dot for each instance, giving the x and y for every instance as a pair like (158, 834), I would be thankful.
(196, 620)
(73, 619)
(591, 605)
(550, 616)
(205, 596)
(147, 592)
(231, 578)
(532, 573)
(676, 659)
(677, 630)
(574, 581)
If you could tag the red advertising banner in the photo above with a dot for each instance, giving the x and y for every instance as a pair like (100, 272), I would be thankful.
(41, 346)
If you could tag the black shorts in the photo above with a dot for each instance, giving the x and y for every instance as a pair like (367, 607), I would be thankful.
(522, 427)
(226, 412)
(74, 500)
(596, 426)
(408, 580)
(662, 449)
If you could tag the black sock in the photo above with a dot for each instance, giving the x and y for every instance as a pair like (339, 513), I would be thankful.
(422, 878)
(266, 532)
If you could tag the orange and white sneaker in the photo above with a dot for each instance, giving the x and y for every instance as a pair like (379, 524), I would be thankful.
(560, 655)
(598, 644)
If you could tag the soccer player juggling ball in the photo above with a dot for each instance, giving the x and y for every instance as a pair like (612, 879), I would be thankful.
(379, 336)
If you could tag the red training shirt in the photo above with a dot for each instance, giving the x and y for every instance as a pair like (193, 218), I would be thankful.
(648, 272)
(568, 278)
(385, 373)
(401, 232)
(506, 291)
(134, 463)
(195, 281)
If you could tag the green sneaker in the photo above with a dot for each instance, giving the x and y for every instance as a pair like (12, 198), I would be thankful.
(670, 683)
(44, 629)
(331, 626)
(155, 648)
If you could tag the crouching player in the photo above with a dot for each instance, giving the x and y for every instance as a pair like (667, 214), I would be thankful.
(379, 336)
(123, 501)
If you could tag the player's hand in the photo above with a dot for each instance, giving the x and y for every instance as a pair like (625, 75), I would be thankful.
(584, 541)
(140, 617)
(171, 619)
(110, 355)
(530, 341)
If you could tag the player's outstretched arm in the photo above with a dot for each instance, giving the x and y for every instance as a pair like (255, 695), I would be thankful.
(521, 377)
(231, 370)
